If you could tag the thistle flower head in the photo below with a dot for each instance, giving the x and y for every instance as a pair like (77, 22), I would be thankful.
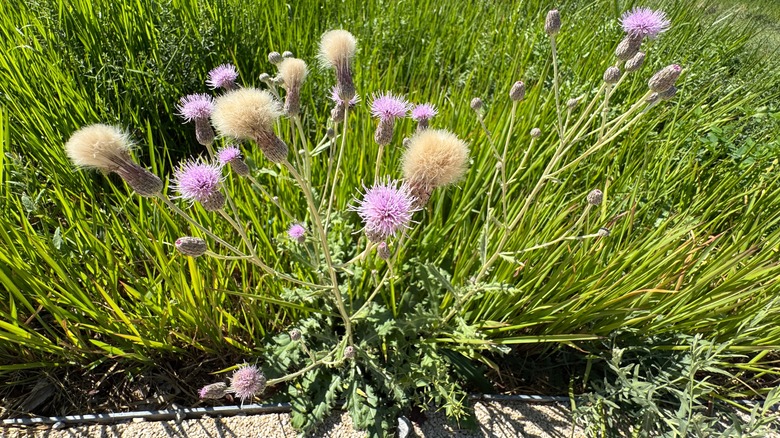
(517, 92)
(228, 154)
(295, 334)
(425, 111)
(247, 382)
(552, 24)
(223, 76)
(191, 246)
(386, 209)
(293, 72)
(334, 96)
(337, 48)
(297, 232)
(664, 78)
(476, 104)
(436, 157)
(595, 197)
(536, 133)
(195, 106)
(99, 146)
(274, 57)
(387, 106)
(213, 391)
(245, 113)
(644, 22)
(196, 180)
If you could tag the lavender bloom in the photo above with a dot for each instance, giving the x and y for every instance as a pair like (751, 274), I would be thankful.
(246, 382)
(223, 76)
(198, 108)
(334, 96)
(199, 181)
(386, 209)
(297, 232)
(339, 111)
(232, 155)
(228, 154)
(195, 106)
(387, 107)
(644, 22)
(422, 113)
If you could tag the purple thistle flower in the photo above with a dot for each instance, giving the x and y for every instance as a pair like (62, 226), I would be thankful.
(195, 106)
(334, 96)
(424, 111)
(199, 181)
(246, 382)
(387, 106)
(644, 22)
(223, 76)
(386, 208)
(228, 154)
(297, 232)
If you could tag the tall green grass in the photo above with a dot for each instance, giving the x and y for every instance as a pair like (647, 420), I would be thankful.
(88, 274)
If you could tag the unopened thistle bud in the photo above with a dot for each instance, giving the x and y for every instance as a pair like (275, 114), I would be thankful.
(287, 54)
(635, 63)
(603, 232)
(108, 148)
(573, 102)
(191, 246)
(349, 352)
(249, 114)
(628, 47)
(612, 75)
(476, 104)
(275, 58)
(383, 251)
(664, 78)
(295, 335)
(595, 197)
(407, 141)
(213, 391)
(330, 133)
(536, 133)
(265, 77)
(668, 94)
(517, 92)
(552, 25)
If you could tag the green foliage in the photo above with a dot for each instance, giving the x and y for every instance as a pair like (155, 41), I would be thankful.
(667, 387)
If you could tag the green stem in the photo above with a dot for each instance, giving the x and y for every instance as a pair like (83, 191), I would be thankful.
(317, 222)
(338, 166)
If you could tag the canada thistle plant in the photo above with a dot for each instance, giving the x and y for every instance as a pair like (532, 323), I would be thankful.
(376, 354)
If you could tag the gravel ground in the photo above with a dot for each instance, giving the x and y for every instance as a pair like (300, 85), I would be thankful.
(496, 419)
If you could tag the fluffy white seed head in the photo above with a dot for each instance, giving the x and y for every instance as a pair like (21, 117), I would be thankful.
(292, 71)
(99, 146)
(245, 113)
(435, 157)
(337, 47)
